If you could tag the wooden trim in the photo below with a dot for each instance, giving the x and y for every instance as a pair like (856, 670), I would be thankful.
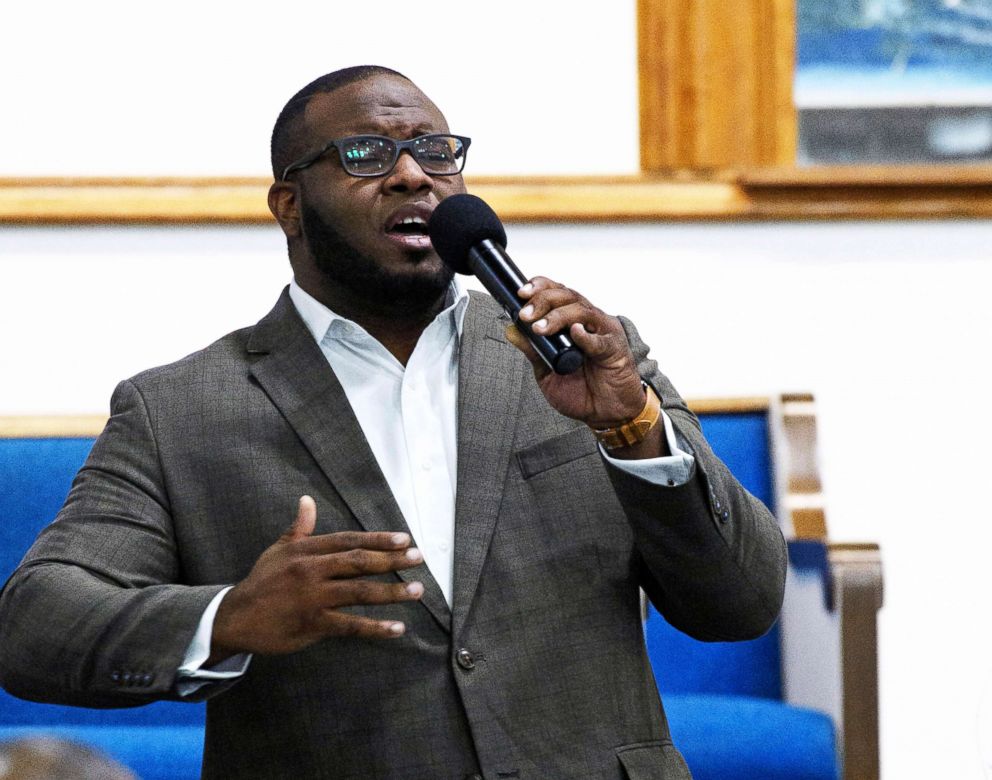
(856, 574)
(715, 84)
(743, 405)
(798, 487)
(51, 426)
(949, 177)
(754, 194)
(243, 201)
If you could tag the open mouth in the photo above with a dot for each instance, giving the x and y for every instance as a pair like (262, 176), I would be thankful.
(410, 231)
(410, 226)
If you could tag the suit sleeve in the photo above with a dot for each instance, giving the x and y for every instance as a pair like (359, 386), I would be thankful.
(93, 615)
(714, 560)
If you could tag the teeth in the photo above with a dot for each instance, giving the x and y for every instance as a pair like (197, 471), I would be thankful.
(412, 221)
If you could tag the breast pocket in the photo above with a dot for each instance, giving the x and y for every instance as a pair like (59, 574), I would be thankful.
(574, 524)
(558, 451)
(653, 761)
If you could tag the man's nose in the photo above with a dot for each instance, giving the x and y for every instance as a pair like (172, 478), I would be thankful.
(407, 175)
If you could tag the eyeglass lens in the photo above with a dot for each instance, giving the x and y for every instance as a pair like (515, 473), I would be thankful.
(374, 155)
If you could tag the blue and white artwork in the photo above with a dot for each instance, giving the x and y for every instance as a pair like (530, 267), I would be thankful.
(894, 52)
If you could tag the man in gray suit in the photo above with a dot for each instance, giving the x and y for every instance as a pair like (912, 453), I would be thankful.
(507, 643)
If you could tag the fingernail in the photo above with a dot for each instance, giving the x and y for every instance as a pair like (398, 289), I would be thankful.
(400, 539)
(527, 311)
(415, 589)
(413, 554)
(527, 289)
(396, 628)
(540, 325)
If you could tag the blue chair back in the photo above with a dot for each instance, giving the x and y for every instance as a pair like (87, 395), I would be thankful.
(683, 665)
(159, 741)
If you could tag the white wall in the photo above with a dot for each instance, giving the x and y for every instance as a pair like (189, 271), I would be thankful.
(115, 88)
(886, 323)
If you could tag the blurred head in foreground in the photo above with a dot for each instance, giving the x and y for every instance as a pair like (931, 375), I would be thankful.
(48, 758)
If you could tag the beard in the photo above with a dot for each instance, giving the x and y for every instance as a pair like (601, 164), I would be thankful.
(361, 275)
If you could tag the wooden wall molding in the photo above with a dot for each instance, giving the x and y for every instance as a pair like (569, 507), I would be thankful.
(753, 195)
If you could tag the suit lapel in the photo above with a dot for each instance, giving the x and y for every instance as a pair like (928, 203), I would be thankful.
(294, 373)
(490, 373)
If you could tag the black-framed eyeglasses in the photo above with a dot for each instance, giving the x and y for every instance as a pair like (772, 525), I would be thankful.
(437, 154)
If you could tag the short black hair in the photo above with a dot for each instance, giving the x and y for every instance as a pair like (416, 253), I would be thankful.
(288, 143)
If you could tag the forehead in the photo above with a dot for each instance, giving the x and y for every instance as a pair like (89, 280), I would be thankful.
(384, 104)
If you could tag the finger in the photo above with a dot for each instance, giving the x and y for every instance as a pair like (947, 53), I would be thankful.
(535, 285)
(597, 345)
(358, 563)
(305, 522)
(519, 340)
(564, 317)
(545, 300)
(349, 593)
(342, 624)
(342, 541)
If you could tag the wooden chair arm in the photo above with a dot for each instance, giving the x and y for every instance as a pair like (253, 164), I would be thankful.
(830, 643)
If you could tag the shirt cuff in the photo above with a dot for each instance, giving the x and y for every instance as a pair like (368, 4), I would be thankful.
(671, 470)
(191, 675)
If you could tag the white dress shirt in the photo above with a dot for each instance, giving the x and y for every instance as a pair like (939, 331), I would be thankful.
(409, 416)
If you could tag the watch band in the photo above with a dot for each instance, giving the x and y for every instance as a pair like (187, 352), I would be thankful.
(635, 430)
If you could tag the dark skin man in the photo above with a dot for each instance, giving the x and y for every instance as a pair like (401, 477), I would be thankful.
(346, 251)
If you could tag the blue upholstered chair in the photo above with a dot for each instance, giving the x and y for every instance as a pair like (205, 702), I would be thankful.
(162, 741)
(798, 704)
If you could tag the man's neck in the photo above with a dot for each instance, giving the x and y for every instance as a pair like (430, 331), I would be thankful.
(396, 327)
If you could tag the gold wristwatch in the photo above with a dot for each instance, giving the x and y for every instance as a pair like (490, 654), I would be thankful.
(635, 430)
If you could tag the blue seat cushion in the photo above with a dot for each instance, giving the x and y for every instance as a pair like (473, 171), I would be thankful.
(746, 738)
(151, 752)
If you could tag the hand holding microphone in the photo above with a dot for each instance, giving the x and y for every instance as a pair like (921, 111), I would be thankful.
(561, 327)
(469, 237)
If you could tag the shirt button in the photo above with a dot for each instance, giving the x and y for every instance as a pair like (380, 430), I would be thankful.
(425, 465)
(443, 546)
(465, 659)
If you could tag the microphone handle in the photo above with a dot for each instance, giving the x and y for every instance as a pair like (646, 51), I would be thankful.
(494, 268)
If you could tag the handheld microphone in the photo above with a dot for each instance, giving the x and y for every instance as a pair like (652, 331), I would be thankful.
(470, 239)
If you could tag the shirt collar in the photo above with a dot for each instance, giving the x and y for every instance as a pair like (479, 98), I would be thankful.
(324, 323)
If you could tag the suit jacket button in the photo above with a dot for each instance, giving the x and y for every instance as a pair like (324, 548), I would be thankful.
(465, 659)
(115, 676)
(126, 678)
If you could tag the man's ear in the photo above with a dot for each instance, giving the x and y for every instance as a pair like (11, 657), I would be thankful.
(284, 203)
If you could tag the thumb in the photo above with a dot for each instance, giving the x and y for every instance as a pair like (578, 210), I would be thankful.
(305, 522)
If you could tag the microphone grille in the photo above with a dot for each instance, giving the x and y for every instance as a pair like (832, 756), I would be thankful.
(460, 222)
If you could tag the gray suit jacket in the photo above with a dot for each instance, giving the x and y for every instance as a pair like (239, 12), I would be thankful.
(539, 669)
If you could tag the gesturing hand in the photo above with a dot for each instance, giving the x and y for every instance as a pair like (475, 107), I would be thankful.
(293, 594)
